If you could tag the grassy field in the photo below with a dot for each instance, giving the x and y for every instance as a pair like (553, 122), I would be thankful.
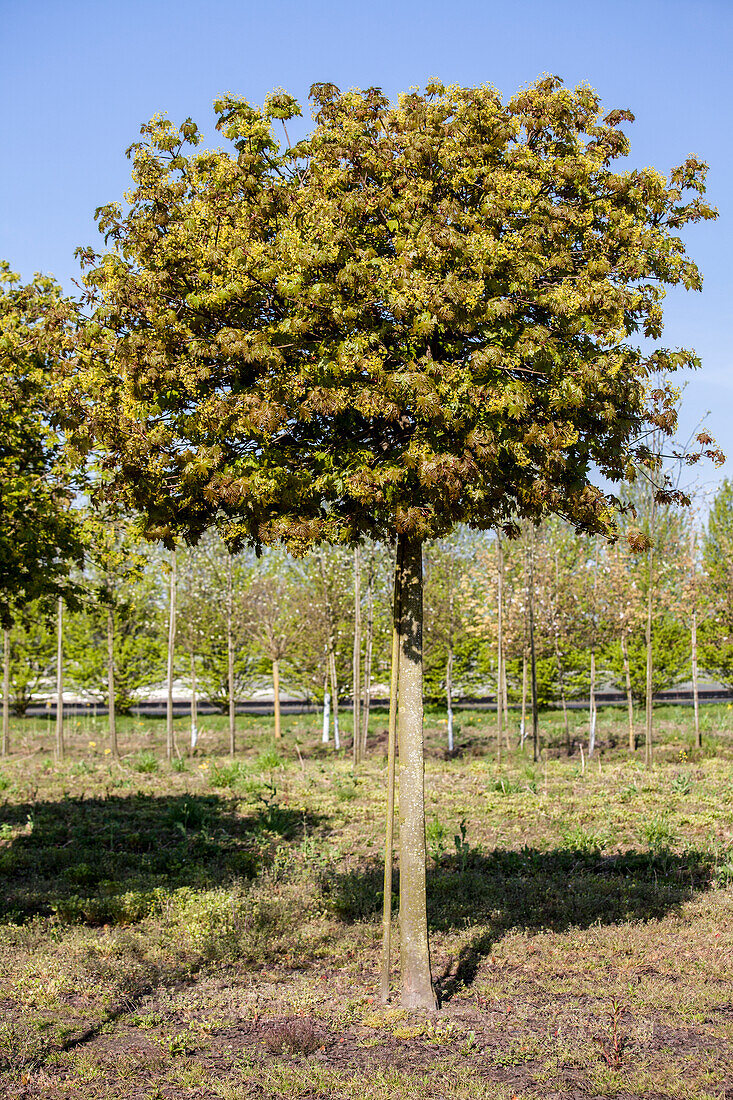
(212, 929)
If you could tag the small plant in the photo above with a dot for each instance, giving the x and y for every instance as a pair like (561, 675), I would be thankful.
(658, 833)
(681, 784)
(346, 790)
(437, 837)
(226, 775)
(463, 846)
(146, 762)
(269, 760)
(179, 764)
(577, 839)
(4, 783)
(612, 1048)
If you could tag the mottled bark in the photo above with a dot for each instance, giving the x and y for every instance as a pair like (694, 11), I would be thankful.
(695, 692)
(417, 987)
(368, 662)
(533, 660)
(648, 739)
(391, 759)
(499, 640)
(194, 704)
(592, 706)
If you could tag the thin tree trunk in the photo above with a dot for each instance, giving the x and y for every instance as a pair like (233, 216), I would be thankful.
(170, 742)
(230, 659)
(417, 986)
(695, 693)
(335, 700)
(592, 716)
(533, 659)
(499, 639)
(648, 750)
(629, 696)
(505, 697)
(276, 696)
(6, 692)
(449, 698)
(60, 682)
(194, 704)
(561, 681)
(111, 682)
(368, 662)
(391, 758)
(356, 690)
(523, 725)
(326, 714)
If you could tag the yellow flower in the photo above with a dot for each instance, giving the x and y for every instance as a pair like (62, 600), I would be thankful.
(92, 744)
(107, 752)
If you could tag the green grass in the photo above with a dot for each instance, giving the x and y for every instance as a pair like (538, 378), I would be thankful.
(211, 927)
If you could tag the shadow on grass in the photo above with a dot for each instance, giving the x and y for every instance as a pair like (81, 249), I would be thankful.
(103, 860)
(530, 889)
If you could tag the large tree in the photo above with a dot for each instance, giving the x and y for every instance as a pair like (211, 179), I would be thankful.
(422, 314)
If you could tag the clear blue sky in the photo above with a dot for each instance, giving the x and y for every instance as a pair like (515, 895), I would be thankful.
(77, 79)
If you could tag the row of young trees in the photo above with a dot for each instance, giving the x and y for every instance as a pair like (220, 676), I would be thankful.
(321, 625)
(422, 315)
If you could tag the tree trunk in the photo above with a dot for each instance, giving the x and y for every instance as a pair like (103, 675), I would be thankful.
(391, 758)
(194, 704)
(533, 661)
(561, 681)
(629, 696)
(499, 639)
(170, 742)
(6, 692)
(60, 682)
(417, 986)
(368, 662)
(695, 694)
(335, 700)
(648, 750)
(111, 682)
(449, 699)
(505, 697)
(356, 691)
(230, 659)
(592, 714)
(276, 696)
(523, 725)
(326, 714)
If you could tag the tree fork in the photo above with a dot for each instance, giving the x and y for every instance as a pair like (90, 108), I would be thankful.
(417, 986)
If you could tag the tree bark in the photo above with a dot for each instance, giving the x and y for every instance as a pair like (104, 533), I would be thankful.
(561, 681)
(194, 704)
(326, 714)
(523, 726)
(417, 986)
(6, 692)
(335, 700)
(695, 693)
(356, 687)
(170, 743)
(592, 716)
(449, 699)
(230, 659)
(276, 696)
(60, 682)
(533, 660)
(648, 749)
(391, 758)
(499, 639)
(629, 696)
(111, 682)
(368, 662)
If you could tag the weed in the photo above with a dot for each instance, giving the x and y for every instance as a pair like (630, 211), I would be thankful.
(612, 1046)
(297, 1036)
(269, 760)
(681, 784)
(227, 775)
(579, 839)
(20, 1044)
(146, 762)
(437, 836)
(658, 833)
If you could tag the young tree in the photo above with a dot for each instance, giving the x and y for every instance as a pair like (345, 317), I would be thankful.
(419, 316)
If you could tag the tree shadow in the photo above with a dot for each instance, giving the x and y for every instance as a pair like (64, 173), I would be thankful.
(102, 860)
(529, 889)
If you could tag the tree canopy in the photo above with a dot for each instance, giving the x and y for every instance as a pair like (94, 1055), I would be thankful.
(423, 313)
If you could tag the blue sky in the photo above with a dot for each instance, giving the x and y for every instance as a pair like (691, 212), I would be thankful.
(77, 79)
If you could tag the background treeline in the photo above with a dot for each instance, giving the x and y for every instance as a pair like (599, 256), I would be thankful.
(240, 618)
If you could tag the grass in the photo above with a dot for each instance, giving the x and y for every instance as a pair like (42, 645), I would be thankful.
(211, 928)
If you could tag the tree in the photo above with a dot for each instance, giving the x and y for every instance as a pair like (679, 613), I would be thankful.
(38, 532)
(421, 315)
